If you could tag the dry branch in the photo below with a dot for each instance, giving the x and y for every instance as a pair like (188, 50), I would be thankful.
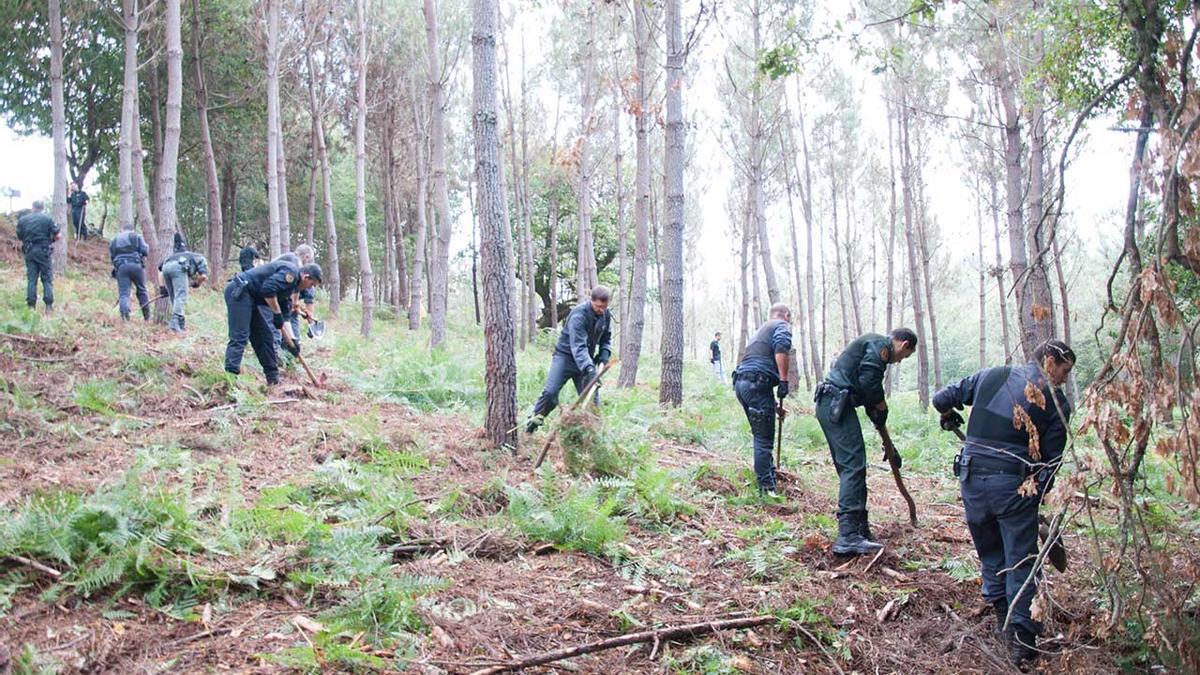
(583, 396)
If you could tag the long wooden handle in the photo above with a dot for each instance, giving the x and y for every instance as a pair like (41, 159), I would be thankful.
(779, 437)
(583, 396)
(893, 457)
(309, 371)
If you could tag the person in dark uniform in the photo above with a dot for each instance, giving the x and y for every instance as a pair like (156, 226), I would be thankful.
(304, 300)
(180, 244)
(994, 464)
(78, 201)
(181, 270)
(715, 359)
(856, 379)
(271, 284)
(37, 232)
(763, 372)
(247, 258)
(583, 347)
(128, 252)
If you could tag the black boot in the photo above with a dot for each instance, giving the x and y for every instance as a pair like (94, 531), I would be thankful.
(124, 316)
(850, 540)
(1022, 647)
(1001, 608)
(865, 530)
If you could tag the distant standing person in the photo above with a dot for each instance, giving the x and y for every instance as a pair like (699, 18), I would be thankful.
(856, 379)
(761, 374)
(583, 347)
(37, 232)
(247, 257)
(128, 251)
(717, 366)
(179, 271)
(78, 201)
(271, 284)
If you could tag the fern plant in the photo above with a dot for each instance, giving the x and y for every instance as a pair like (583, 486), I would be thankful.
(579, 518)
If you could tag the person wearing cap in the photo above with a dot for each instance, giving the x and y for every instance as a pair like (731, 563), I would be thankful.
(37, 232)
(272, 285)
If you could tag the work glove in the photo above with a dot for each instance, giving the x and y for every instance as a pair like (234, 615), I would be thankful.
(277, 320)
(292, 348)
(951, 420)
(899, 459)
(878, 417)
(589, 375)
(782, 392)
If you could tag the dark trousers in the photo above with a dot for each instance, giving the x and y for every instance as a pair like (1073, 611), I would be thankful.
(1004, 527)
(758, 401)
(77, 221)
(562, 369)
(131, 276)
(37, 266)
(246, 324)
(849, 453)
(276, 335)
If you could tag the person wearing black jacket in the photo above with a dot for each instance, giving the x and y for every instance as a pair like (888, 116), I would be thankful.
(128, 253)
(583, 347)
(718, 366)
(1014, 445)
(272, 285)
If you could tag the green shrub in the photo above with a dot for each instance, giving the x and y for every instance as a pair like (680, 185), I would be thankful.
(577, 519)
(96, 395)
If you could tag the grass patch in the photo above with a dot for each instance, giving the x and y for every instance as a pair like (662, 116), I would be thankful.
(97, 395)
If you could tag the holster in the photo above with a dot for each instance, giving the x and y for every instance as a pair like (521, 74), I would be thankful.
(962, 466)
(838, 403)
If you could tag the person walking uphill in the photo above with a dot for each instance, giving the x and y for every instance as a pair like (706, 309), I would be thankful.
(1014, 445)
(763, 368)
(78, 201)
(37, 233)
(271, 284)
(856, 379)
(128, 252)
(182, 269)
(584, 346)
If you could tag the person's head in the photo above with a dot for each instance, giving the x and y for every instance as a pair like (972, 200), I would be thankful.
(904, 343)
(76, 186)
(38, 206)
(717, 336)
(1056, 358)
(780, 311)
(601, 296)
(306, 254)
(127, 227)
(310, 275)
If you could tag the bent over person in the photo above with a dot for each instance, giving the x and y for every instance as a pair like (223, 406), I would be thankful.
(271, 284)
(1014, 444)
(182, 269)
(764, 366)
(856, 379)
(128, 253)
(37, 232)
(583, 347)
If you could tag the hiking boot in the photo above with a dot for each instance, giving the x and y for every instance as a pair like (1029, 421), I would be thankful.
(124, 316)
(533, 424)
(1022, 647)
(1001, 609)
(864, 529)
(176, 326)
(183, 323)
(850, 540)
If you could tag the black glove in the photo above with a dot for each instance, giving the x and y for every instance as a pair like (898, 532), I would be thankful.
(878, 417)
(277, 320)
(887, 457)
(589, 375)
(782, 392)
(293, 348)
(951, 420)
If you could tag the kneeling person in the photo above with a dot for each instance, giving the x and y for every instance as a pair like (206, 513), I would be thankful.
(856, 379)
(181, 270)
(764, 366)
(994, 463)
(271, 284)
(584, 346)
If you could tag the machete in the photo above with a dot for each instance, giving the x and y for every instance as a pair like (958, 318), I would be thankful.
(893, 458)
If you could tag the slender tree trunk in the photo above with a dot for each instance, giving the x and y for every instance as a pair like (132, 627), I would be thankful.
(128, 101)
(524, 264)
(285, 211)
(748, 233)
(889, 378)
(631, 331)
(998, 270)
(58, 117)
(801, 309)
(310, 224)
(501, 373)
(982, 280)
(619, 184)
(1018, 258)
(757, 170)
(923, 250)
(837, 249)
(752, 227)
(273, 201)
(156, 123)
(332, 269)
(910, 235)
(851, 272)
(806, 195)
(1038, 285)
(167, 219)
(216, 227)
(587, 276)
(474, 252)
(229, 189)
(417, 278)
(552, 282)
(671, 389)
(366, 276)
(440, 269)
(531, 315)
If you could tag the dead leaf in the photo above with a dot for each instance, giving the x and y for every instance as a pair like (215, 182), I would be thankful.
(304, 623)
(1035, 395)
(1040, 312)
(1029, 488)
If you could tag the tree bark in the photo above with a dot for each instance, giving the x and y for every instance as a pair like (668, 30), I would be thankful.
(501, 373)
(526, 213)
(310, 224)
(474, 253)
(272, 169)
(167, 218)
(671, 387)
(366, 276)
(332, 269)
(982, 280)
(889, 378)
(744, 261)
(998, 270)
(910, 235)
(417, 278)
(619, 183)
(1038, 283)
(631, 331)
(923, 248)
(58, 124)
(757, 160)
(801, 310)
(851, 272)
(552, 282)
(285, 211)
(129, 22)
(440, 269)
(216, 227)
(586, 274)
(838, 270)
(814, 351)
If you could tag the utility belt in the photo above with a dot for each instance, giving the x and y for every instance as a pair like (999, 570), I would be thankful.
(965, 465)
(757, 378)
(840, 400)
(35, 246)
(239, 285)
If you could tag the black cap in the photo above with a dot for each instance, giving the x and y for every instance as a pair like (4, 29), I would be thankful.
(312, 271)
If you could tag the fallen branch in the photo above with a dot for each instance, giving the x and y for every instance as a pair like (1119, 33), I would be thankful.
(35, 565)
(653, 636)
(269, 402)
(26, 338)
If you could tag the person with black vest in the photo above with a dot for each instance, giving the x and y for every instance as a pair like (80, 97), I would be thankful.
(37, 233)
(1014, 445)
(763, 372)
(78, 202)
(128, 252)
(856, 379)
(718, 366)
(271, 284)
(583, 347)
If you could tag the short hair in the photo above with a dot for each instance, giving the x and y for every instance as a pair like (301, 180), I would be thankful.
(311, 270)
(717, 334)
(1058, 350)
(601, 294)
(779, 309)
(38, 205)
(904, 335)
(127, 227)
(306, 253)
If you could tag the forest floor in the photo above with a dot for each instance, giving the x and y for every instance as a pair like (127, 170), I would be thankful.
(158, 516)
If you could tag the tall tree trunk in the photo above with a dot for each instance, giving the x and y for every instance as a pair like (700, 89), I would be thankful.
(911, 237)
(216, 227)
(366, 276)
(889, 379)
(757, 170)
(923, 249)
(744, 260)
(752, 227)
(474, 252)
(837, 248)
(587, 276)
(310, 224)
(440, 269)
(631, 331)
(1018, 256)
(128, 102)
(501, 372)
(332, 268)
(58, 124)
(619, 183)
(806, 194)
(998, 270)
(552, 282)
(789, 148)
(524, 263)
(285, 211)
(851, 272)
(417, 278)
(982, 280)
(272, 170)
(531, 317)
(229, 189)
(167, 218)
(671, 389)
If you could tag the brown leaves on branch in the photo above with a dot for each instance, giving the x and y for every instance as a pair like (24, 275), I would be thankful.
(1035, 395)
(1040, 312)
(1021, 420)
(1158, 291)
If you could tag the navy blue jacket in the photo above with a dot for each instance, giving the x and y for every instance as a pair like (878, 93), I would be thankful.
(127, 248)
(586, 338)
(773, 337)
(36, 230)
(861, 368)
(278, 279)
(993, 394)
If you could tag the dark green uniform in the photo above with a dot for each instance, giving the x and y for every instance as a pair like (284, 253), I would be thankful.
(37, 232)
(856, 379)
